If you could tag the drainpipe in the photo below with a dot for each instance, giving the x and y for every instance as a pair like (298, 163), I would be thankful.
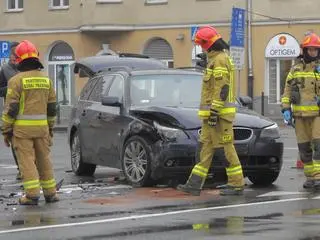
(250, 68)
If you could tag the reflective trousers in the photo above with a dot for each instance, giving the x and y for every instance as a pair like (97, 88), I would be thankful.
(308, 138)
(35, 166)
(212, 138)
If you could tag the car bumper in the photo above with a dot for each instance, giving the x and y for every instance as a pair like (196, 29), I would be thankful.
(177, 160)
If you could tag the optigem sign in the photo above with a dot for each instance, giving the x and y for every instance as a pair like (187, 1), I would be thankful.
(282, 46)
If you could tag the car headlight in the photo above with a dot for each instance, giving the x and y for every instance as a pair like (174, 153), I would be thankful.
(270, 132)
(170, 134)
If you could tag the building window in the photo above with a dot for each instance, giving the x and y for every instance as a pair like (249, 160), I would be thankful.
(14, 5)
(278, 70)
(59, 4)
(149, 2)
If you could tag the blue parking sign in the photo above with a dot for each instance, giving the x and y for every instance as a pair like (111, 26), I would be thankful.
(4, 49)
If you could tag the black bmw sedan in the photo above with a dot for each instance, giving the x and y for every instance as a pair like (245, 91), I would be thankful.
(145, 122)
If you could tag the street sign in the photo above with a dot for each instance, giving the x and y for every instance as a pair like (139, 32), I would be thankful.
(237, 37)
(4, 49)
(237, 27)
(237, 55)
(194, 29)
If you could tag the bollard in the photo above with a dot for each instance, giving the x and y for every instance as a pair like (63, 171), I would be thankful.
(262, 103)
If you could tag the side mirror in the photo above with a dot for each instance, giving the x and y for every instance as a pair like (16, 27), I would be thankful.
(245, 101)
(111, 101)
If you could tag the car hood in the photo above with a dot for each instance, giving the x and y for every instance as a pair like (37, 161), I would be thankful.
(187, 118)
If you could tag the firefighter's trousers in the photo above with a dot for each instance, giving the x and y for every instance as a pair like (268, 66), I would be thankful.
(35, 166)
(212, 138)
(308, 138)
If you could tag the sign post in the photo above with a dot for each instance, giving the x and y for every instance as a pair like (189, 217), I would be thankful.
(237, 41)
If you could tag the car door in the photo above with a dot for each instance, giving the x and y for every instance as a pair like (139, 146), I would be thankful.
(113, 122)
(85, 115)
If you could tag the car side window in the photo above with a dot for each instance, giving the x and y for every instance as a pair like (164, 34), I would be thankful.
(117, 87)
(100, 88)
(87, 89)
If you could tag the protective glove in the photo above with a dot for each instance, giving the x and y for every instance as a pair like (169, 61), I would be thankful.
(7, 138)
(287, 116)
(213, 118)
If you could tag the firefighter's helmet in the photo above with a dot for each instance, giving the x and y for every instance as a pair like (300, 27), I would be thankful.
(206, 37)
(26, 50)
(311, 40)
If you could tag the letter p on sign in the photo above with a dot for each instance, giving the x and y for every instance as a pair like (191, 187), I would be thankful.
(4, 49)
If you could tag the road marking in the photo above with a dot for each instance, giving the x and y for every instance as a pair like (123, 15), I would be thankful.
(290, 148)
(135, 217)
(7, 166)
(280, 193)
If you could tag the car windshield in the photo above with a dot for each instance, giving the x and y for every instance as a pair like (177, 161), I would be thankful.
(174, 90)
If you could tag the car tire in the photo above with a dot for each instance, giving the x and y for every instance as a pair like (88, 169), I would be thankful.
(265, 178)
(79, 167)
(136, 162)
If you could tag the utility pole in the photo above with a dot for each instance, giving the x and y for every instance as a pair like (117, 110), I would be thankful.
(249, 42)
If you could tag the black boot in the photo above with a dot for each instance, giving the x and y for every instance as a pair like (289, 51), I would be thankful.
(231, 191)
(308, 184)
(193, 185)
(316, 185)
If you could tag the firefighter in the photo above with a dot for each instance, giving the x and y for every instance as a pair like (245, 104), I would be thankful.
(217, 110)
(28, 119)
(301, 101)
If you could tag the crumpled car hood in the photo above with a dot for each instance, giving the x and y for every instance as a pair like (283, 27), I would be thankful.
(187, 118)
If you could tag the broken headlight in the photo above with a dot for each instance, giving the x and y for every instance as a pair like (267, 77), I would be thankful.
(270, 132)
(170, 134)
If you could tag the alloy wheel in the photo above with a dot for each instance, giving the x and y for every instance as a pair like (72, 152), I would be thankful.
(135, 161)
(75, 153)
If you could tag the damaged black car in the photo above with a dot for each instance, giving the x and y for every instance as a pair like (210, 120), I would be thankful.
(144, 121)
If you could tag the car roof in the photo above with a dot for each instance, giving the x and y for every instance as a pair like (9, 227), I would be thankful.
(96, 64)
(168, 71)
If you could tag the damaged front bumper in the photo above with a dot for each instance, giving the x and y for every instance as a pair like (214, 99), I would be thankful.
(176, 160)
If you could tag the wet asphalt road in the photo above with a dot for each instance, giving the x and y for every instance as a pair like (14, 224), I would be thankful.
(105, 208)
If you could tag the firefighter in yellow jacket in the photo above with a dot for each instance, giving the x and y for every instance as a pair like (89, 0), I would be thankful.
(217, 110)
(28, 120)
(301, 100)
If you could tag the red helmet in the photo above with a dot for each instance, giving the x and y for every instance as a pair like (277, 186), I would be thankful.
(206, 36)
(25, 50)
(311, 40)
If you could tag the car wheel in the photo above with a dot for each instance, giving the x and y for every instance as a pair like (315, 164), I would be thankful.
(79, 167)
(263, 178)
(136, 162)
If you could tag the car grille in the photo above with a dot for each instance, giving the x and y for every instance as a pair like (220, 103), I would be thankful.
(241, 134)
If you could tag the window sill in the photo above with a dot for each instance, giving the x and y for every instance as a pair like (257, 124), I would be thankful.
(59, 8)
(109, 1)
(18, 10)
(155, 2)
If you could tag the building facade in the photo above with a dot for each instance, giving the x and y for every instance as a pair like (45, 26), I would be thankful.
(66, 30)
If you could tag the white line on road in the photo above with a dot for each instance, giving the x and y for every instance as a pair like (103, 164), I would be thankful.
(133, 217)
(290, 148)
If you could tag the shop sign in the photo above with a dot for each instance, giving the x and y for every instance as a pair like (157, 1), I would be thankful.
(282, 46)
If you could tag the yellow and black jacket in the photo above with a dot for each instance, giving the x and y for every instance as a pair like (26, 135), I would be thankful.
(301, 90)
(30, 107)
(218, 87)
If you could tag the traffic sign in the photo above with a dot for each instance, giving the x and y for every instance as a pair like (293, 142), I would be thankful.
(237, 27)
(194, 29)
(237, 55)
(4, 49)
